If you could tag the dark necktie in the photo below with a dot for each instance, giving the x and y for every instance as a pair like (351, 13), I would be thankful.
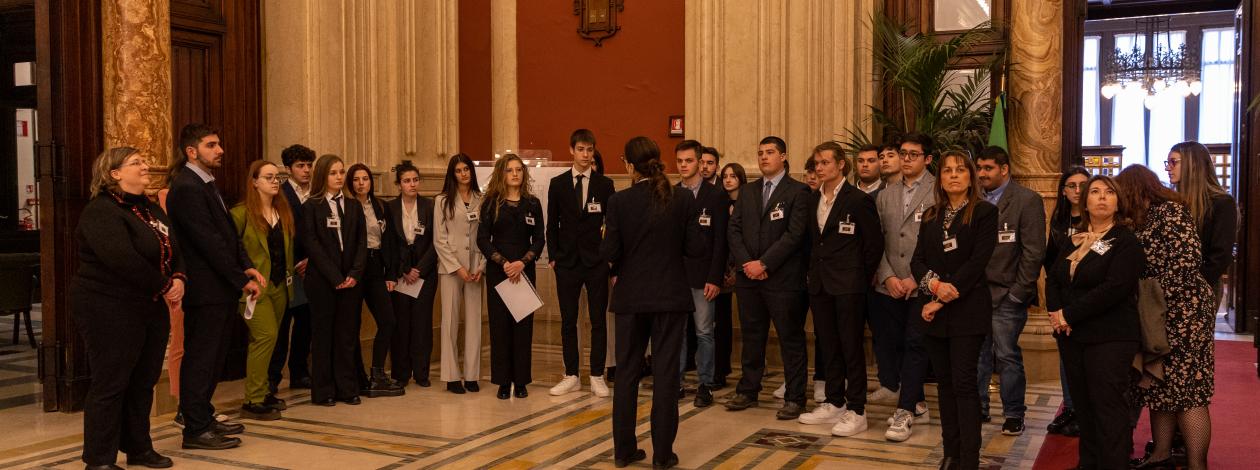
(218, 196)
(765, 195)
(341, 211)
(578, 189)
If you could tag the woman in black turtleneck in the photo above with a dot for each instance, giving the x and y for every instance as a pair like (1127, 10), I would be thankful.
(128, 266)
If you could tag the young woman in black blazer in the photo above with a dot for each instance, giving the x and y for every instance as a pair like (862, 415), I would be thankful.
(956, 239)
(1090, 297)
(511, 236)
(335, 238)
(128, 265)
(379, 276)
(1064, 219)
(415, 261)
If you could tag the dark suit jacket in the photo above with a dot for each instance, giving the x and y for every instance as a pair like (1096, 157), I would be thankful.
(839, 263)
(295, 205)
(1016, 265)
(420, 254)
(1100, 301)
(972, 312)
(1217, 235)
(710, 265)
(647, 250)
(213, 255)
(777, 243)
(573, 234)
(327, 258)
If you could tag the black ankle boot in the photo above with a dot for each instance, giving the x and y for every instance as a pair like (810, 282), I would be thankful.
(380, 385)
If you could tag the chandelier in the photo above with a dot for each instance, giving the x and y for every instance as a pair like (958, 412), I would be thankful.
(1151, 72)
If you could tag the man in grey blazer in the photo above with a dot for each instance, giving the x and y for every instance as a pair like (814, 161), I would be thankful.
(896, 325)
(1012, 273)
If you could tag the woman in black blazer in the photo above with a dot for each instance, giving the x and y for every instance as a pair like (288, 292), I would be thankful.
(335, 238)
(956, 240)
(1090, 296)
(415, 261)
(128, 265)
(379, 276)
(511, 236)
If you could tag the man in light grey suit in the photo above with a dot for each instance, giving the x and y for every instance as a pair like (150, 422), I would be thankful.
(896, 325)
(1012, 274)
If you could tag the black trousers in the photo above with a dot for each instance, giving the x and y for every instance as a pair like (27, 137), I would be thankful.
(381, 305)
(335, 313)
(723, 336)
(1098, 376)
(511, 342)
(413, 336)
(295, 352)
(126, 343)
(666, 331)
(838, 328)
(955, 361)
(757, 309)
(206, 336)
(569, 283)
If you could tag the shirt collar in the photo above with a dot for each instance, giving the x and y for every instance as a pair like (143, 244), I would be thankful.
(836, 192)
(585, 174)
(870, 187)
(926, 177)
(774, 180)
(205, 177)
(996, 194)
(694, 189)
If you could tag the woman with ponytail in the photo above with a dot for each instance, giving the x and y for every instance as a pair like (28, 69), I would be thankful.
(651, 227)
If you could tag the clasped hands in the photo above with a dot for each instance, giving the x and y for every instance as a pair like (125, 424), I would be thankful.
(943, 292)
(756, 270)
(1059, 322)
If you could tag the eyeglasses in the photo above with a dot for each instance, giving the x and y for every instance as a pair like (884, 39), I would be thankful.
(1169, 163)
(270, 178)
(1074, 186)
(909, 156)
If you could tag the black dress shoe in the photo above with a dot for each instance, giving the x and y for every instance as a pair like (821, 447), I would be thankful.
(1013, 427)
(636, 456)
(1060, 421)
(741, 402)
(505, 392)
(520, 391)
(471, 385)
(424, 382)
(948, 463)
(150, 459)
(668, 462)
(324, 402)
(108, 466)
(271, 401)
(302, 382)
(259, 412)
(227, 429)
(1146, 463)
(210, 440)
(704, 397)
(354, 400)
(455, 387)
(790, 410)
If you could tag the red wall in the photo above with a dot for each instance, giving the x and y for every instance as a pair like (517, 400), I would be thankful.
(626, 88)
(474, 78)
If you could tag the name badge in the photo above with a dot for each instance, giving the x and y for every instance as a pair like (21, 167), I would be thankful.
(918, 216)
(288, 280)
(161, 227)
(529, 220)
(777, 213)
(472, 216)
(950, 244)
(594, 207)
(1006, 235)
(1101, 247)
(704, 219)
(847, 227)
(334, 222)
(1071, 231)
(420, 230)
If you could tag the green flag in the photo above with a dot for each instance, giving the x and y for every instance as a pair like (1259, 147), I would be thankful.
(997, 131)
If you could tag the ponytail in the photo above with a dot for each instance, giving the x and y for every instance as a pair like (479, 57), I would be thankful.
(643, 154)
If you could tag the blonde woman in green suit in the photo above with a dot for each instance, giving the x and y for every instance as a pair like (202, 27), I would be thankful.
(265, 224)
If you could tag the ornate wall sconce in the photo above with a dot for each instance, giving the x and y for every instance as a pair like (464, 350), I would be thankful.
(597, 19)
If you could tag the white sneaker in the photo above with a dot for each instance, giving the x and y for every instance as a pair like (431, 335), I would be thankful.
(599, 387)
(825, 413)
(883, 395)
(568, 385)
(781, 391)
(849, 424)
(921, 415)
(820, 391)
(900, 430)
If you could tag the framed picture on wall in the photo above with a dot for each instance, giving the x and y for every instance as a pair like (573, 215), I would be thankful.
(675, 126)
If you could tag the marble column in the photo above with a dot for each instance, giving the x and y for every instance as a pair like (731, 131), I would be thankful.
(136, 76)
(505, 131)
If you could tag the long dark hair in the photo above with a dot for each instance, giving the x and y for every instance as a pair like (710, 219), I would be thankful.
(319, 181)
(1198, 180)
(1123, 216)
(1062, 215)
(942, 198)
(1142, 189)
(740, 175)
(450, 186)
(349, 187)
(643, 154)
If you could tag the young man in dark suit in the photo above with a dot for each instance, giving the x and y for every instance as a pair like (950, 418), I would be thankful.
(576, 201)
(765, 232)
(1012, 273)
(218, 272)
(298, 161)
(704, 272)
(846, 244)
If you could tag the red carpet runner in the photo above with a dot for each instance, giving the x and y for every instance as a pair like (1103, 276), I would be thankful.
(1234, 416)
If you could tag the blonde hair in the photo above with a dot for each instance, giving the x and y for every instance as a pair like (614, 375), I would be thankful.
(109, 160)
(1198, 180)
(496, 191)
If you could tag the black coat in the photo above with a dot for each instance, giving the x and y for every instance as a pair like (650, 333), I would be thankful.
(1220, 228)
(328, 259)
(573, 234)
(295, 206)
(389, 248)
(1100, 302)
(777, 243)
(419, 254)
(840, 263)
(119, 254)
(214, 258)
(647, 250)
(510, 236)
(710, 265)
(963, 267)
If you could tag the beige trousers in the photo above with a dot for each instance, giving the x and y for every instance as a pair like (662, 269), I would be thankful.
(456, 293)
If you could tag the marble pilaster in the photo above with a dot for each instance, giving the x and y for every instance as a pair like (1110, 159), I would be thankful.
(136, 76)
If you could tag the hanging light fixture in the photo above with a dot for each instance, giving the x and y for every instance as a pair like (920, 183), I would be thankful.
(1153, 71)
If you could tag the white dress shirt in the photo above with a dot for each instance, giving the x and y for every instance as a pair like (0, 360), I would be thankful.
(374, 227)
(333, 205)
(410, 218)
(586, 183)
(825, 203)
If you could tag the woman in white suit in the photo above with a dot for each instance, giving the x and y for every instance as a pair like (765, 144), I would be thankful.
(460, 269)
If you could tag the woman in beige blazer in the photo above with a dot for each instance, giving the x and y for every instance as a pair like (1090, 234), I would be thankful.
(460, 269)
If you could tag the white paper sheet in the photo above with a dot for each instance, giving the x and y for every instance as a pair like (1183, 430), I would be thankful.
(250, 303)
(410, 290)
(520, 297)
